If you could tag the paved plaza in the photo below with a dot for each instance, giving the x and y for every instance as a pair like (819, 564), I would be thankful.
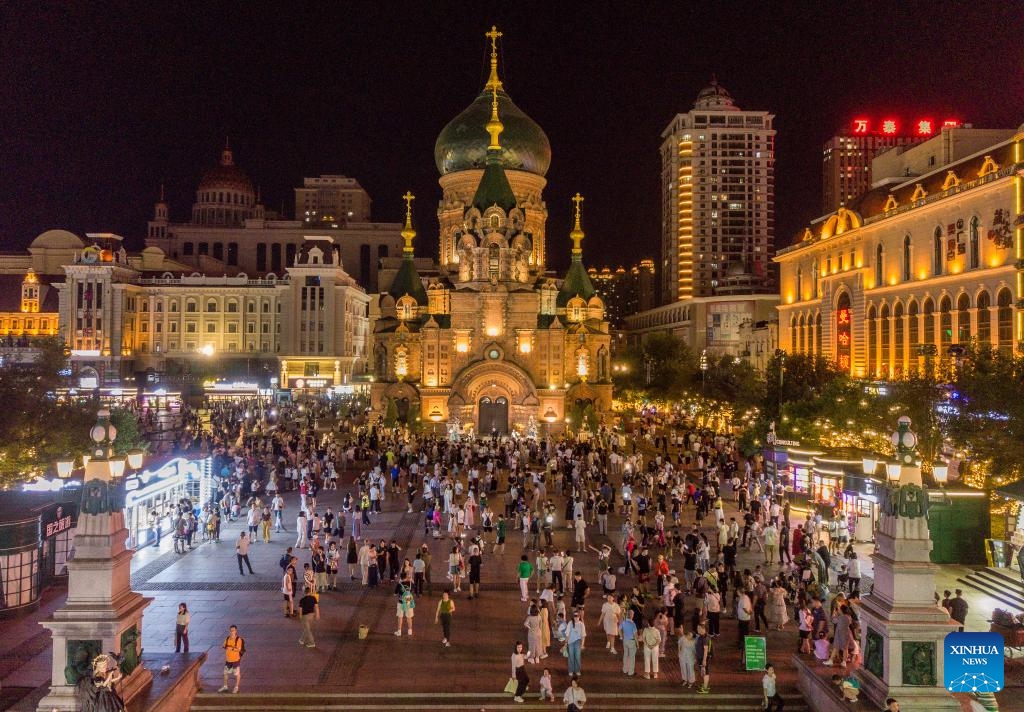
(385, 672)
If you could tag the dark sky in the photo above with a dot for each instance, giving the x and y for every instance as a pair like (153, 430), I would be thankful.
(101, 103)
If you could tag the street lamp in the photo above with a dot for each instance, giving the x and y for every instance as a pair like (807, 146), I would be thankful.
(941, 474)
(892, 471)
(64, 467)
(869, 465)
(703, 370)
(135, 458)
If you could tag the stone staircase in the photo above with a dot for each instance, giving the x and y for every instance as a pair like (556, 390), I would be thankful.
(677, 701)
(1004, 585)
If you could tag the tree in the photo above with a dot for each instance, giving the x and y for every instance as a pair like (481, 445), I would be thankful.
(732, 381)
(662, 366)
(987, 418)
(391, 414)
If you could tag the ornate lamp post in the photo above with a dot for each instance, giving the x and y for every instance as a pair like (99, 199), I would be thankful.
(102, 614)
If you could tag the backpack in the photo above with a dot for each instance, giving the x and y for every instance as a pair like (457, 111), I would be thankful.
(408, 600)
(283, 562)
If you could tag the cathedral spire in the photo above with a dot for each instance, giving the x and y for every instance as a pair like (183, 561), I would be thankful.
(492, 81)
(577, 234)
(408, 232)
(494, 127)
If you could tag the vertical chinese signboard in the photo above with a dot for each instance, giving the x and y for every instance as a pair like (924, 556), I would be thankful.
(844, 337)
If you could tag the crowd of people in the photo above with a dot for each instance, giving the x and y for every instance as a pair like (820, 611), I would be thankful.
(663, 580)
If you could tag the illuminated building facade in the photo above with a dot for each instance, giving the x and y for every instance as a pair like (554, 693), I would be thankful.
(624, 291)
(930, 259)
(491, 340)
(232, 233)
(718, 200)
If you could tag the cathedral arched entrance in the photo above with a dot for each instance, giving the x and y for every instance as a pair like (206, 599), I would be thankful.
(493, 416)
(494, 395)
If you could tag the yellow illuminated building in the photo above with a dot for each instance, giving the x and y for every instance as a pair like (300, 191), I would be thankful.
(928, 261)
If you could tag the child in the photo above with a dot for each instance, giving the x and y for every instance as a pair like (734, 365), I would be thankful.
(821, 648)
(546, 692)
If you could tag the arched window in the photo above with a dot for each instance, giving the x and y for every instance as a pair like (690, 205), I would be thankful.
(799, 284)
(928, 309)
(191, 306)
(792, 332)
(984, 319)
(900, 334)
(801, 335)
(211, 306)
(908, 272)
(937, 252)
(945, 323)
(1004, 320)
(406, 308)
(974, 244)
(879, 272)
(218, 250)
(870, 339)
(885, 340)
(814, 279)
(963, 319)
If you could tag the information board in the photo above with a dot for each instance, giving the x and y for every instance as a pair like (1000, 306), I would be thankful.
(755, 652)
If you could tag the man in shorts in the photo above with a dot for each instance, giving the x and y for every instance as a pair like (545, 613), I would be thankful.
(234, 648)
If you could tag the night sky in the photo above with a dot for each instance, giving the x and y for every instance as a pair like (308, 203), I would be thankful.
(101, 103)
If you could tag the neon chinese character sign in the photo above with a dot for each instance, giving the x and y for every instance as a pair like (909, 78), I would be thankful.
(860, 126)
(844, 333)
(924, 127)
(893, 126)
(889, 127)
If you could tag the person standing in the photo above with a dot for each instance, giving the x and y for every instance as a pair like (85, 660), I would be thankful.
(575, 638)
(476, 560)
(533, 624)
(611, 612)
(958, 609)
(265, 525)
(445, 609)
(301, 524)
(309, 609)
(687, 650)
(744, 611)
(277, 506)
(581, 534)
(525, 571)
(519, 671)
(406, 608)
(181, 627)
(628, 630)
(650, 639)
(242, 553)
(288, 590)
(772, 699)
(574, 697)
(234, 649)
(702, 649)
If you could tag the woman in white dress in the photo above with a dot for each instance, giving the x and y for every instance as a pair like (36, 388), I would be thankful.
(611, 616)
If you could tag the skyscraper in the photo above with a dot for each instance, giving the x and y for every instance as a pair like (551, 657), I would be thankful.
(846, 165)
(718, 200)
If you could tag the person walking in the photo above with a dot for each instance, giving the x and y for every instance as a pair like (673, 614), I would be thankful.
(575, 639)
(406, 608)
(533, 625)
(627, 628)
(574, 697)
(958, 609)
(773, 701)
(242, 553)
(519, 671)
(611, 613)
(234, 649)
(181, 627)
(309, 609)
(650, 639)
(445, 609)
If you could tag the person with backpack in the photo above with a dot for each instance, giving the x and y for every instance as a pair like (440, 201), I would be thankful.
(234, 650)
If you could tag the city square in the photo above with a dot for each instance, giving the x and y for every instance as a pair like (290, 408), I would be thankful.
(767, 450)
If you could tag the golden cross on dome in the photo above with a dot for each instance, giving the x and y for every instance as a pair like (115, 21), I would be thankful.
(492, 81)
(408, 233)
(577, 233)
(494, 126)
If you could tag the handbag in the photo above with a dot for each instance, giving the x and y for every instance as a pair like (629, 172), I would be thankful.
(565, 651)
(511, 685)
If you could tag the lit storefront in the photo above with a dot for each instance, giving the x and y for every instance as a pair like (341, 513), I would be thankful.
(801, 464)
(36, 531)
(225, 391)
(159, 491)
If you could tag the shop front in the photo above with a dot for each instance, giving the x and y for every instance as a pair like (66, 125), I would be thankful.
(860, 502)
(152, 497)
(838, 482)
(801, 465)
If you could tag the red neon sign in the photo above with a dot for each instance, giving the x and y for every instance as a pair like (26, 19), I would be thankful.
(924, 127)
(889, 127)
(860, 126)
(893, 126)
(950, 124)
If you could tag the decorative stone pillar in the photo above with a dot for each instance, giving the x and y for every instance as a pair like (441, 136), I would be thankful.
(102, 614)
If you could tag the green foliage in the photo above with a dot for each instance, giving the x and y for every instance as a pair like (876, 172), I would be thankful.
(666, 359)
(730, 381)
(391, 413)
(129, 437)
(989, 424)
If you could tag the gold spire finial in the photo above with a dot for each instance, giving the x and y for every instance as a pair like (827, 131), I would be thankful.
(492, 81)
(408, 233)
(577, 234)
(494, 126)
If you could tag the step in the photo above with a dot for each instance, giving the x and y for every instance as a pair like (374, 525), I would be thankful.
(456, 701)
(997, 583)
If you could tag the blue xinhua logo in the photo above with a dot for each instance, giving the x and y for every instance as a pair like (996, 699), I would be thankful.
(973, 662)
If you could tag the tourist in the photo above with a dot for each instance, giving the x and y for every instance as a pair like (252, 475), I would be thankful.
(546, 690)
(772, 699)
(574, 697)
(242, 553)
(609, 620)
(405, 609)
(519, 671)
(687, 651)
(702, 651)
(958, 609)
(445, 609)
(650, 641)
(234, 649)
(575, 638)
(533, 625)
(181, 627)
(455, 569)
(309, 609)
(333, 559)
(525, 571)
(476, 561)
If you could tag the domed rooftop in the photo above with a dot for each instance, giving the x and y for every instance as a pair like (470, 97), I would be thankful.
(225, 175)
(462, 144)
(714, 96)
(58, 240)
